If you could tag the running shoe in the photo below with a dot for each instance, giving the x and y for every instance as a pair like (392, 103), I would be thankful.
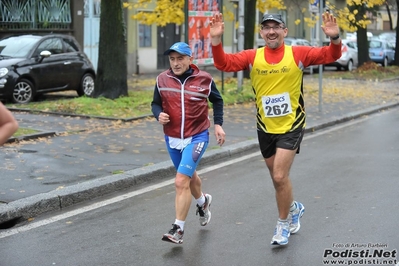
(204, 211)
(294, 217)
(281, 234)
(175, 235)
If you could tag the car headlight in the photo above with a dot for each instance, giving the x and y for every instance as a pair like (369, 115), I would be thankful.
(3, 72)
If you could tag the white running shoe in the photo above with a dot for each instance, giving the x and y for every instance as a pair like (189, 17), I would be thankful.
(294, 217)
(204, 211)
(281, 233)
(175, 235)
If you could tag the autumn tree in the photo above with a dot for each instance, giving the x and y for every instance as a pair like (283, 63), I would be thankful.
(164, 12)
(387, 6)
(111, 78)
(355, 17)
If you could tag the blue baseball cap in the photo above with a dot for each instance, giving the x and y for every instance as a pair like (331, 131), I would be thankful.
(181, 48)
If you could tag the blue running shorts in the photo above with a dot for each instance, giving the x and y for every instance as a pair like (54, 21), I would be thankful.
(187, 159)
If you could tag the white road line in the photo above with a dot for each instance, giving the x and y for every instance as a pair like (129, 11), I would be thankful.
(33, 225)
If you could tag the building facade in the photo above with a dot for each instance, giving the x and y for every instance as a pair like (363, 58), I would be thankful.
(41, 17)
(145, 43)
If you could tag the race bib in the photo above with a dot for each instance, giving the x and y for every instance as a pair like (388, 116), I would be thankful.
(277, 105)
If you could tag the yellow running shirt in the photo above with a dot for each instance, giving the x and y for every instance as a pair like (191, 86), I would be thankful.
(278, 93)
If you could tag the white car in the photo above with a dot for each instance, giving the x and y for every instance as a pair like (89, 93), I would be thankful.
(353, 36)
(348, 59)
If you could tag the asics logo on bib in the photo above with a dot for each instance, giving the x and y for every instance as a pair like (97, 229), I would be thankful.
(274, 100)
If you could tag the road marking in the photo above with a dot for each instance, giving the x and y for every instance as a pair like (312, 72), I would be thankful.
(33, 225)
(68, 214)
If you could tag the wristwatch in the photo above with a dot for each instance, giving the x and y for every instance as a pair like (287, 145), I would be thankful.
(335, 38)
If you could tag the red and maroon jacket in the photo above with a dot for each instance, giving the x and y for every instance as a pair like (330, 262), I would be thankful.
(185, 101)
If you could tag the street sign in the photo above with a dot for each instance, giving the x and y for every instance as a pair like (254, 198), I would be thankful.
(314, 7)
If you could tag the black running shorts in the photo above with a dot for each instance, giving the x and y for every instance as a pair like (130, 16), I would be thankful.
(269, 142)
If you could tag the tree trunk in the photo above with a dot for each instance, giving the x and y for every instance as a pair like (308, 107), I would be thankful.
(363, 46)
(111, 78)
(249, 22)
(361, 35)
(396, 61)
(389, 16)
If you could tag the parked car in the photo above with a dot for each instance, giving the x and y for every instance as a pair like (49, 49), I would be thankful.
(31, 65)
(353, 36)
(348, 59)
(388, 36)
(381, 52)
(296, 41)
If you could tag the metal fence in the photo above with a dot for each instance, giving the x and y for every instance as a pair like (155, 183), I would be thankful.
(35, 14)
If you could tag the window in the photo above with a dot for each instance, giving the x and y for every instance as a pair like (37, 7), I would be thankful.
(144, 35)
(351, 45)
(17, 47)
(53, 45)
(70, 45)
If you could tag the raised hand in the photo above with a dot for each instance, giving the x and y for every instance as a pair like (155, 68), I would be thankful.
(330, 26)
(216, 28)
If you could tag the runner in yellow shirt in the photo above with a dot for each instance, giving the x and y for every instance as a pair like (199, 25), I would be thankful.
(276, 72)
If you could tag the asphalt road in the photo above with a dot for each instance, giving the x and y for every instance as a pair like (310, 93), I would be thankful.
(346, 177)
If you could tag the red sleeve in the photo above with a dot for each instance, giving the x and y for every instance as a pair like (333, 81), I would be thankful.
(316, 55)
(232, 62)
(305, 54)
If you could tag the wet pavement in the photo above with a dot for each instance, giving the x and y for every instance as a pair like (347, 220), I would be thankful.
(74, 159)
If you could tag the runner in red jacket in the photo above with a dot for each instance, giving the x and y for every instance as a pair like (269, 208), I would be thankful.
(276, 73)
(180, 104)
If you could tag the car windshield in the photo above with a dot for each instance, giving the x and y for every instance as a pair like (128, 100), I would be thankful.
(375, 44)
(17, 46)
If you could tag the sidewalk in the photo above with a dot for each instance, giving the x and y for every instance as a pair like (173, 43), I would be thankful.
(57, 169)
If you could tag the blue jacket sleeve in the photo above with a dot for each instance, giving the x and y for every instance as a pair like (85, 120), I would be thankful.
(156, 104)
(217, 103)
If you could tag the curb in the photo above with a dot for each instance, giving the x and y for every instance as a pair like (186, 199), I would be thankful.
(58, 199)
(128, 119)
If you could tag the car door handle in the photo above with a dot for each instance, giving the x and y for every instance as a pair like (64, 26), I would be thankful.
(67, 63)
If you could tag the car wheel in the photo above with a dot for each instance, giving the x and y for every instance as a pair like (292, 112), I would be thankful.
(23, 92)
(349, 67)
(385, 63)
(86, 85)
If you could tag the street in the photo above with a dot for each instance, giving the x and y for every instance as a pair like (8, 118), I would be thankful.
(346, 177)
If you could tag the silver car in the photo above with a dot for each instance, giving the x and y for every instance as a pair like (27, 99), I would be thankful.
(348, 59)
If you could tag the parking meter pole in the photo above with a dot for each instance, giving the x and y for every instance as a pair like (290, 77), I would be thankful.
(321, 66)
(240, 74)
